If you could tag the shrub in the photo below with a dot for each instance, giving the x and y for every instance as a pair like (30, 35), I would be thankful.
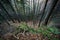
(45, 30)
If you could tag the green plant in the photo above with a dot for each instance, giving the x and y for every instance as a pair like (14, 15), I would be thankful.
(54, 30)
(45, 30)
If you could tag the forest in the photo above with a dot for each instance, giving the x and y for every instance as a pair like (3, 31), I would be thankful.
(29, 20)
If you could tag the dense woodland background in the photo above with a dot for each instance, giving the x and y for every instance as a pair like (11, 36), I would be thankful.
(35, 13)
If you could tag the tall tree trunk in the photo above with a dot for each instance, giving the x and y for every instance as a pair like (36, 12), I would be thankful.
(49, 12)
(15, 9)
(34, 3)
(43, 13)
(6, 11)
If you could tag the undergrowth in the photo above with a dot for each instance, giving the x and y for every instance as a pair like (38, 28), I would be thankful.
(45, 30)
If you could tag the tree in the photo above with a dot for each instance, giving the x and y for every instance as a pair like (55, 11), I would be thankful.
(6, 11)
(49, 11)
(43, 12)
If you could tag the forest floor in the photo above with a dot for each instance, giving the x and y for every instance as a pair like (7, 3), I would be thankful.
(27, 36)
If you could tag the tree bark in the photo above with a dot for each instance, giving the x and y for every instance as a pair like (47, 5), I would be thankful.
(49, 12)
(6, 11)
(43, 13)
